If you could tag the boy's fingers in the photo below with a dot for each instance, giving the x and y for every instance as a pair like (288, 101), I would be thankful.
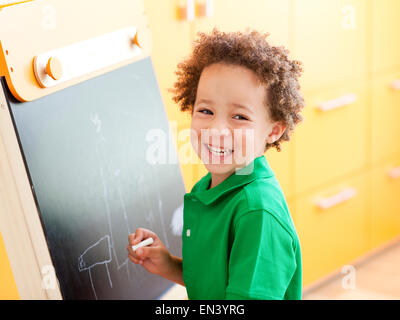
(141, 253)
(137, 261)
(146, 252)
(131, 238)
(131, 252)
(141, 234)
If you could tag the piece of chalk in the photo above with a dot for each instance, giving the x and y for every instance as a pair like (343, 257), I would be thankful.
(144, 243)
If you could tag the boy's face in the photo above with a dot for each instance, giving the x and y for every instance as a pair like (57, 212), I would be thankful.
(230, 121)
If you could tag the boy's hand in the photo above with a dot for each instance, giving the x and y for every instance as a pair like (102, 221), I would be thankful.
(155, 258)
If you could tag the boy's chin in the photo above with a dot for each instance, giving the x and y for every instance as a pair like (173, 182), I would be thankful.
(221, 168)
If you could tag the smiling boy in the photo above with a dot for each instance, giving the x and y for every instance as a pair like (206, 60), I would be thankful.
(238, 238)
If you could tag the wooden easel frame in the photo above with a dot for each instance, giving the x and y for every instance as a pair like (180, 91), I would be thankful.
(20, 223)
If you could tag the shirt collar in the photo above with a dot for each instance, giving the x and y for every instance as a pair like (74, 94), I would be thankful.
(258, 168)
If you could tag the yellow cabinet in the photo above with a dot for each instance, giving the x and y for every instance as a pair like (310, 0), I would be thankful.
(385, 23)
(385, 213)
(332, 225)
(332, 140)
(171, 43)
(330, 38)
(236, 15)
(385, 131)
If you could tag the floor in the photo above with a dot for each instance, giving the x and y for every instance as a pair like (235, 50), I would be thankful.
(376, 278)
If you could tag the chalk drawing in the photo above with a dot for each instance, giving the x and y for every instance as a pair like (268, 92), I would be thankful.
(97, 254)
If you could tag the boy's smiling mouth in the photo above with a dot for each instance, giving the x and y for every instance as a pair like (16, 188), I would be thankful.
(217, 151)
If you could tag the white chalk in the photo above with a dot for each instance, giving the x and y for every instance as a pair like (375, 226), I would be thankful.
(144, 243)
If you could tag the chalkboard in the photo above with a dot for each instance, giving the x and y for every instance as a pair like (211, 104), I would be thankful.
(85, 149)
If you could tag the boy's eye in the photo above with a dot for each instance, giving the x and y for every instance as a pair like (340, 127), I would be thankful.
(239, 117)
(205, 111)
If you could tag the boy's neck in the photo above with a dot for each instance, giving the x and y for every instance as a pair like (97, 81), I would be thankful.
(216, 179)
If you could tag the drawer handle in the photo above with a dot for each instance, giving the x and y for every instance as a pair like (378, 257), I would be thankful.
(328, 202)
(204, 8)
(395, 84)
(394, 173)
(186, 12)
(338, 102)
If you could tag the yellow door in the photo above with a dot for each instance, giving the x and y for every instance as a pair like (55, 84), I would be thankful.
(332, 141)
(385, 213)
(236, 15)
(332, 225)
(385, 116)
(330, 38)
(385, 23)
(171, 43)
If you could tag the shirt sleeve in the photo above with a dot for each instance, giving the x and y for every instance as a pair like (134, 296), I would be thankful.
(262, 260)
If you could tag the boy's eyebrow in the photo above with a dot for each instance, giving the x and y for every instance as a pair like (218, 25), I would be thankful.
(238, 105)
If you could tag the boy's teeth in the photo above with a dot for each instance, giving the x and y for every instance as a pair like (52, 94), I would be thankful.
(219, 150)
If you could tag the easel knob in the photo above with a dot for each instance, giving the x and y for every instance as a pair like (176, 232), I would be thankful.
(54, 68)
(136, 40)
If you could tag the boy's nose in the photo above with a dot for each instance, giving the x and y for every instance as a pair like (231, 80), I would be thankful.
(220, 126)
(219, 136)
(216, 132)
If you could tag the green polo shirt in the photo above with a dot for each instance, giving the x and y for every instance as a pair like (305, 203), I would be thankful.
(238, 238)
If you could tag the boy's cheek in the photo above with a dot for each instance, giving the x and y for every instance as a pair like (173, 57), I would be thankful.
(244, 142)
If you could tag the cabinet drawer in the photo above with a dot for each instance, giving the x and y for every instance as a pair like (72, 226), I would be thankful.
(236, 15)
(385, 23)
(330, 38)
(385, 213)
(332, 226)
(385, 116)
(332, 140)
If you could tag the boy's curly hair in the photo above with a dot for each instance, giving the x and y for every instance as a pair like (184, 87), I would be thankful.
(249, 49)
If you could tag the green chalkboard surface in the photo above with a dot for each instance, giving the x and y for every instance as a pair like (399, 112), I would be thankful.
(85, 150)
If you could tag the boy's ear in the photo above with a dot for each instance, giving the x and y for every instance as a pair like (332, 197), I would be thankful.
(277, 131)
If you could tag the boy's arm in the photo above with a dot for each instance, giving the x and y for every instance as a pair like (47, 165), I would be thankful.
(175, 272)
